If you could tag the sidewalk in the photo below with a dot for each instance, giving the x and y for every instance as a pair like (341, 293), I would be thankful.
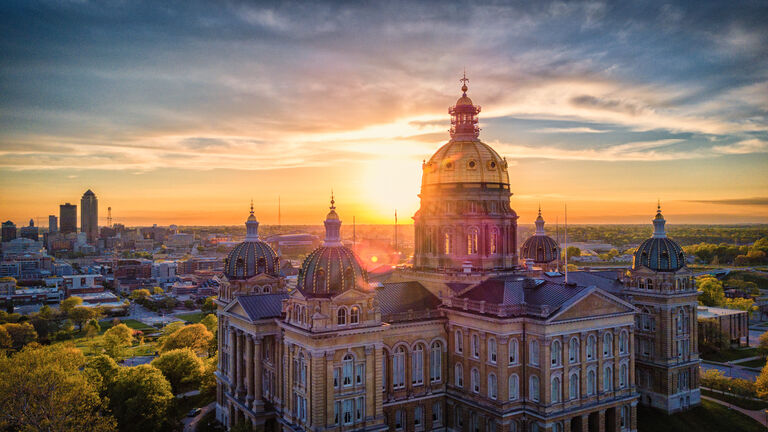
(758, 415)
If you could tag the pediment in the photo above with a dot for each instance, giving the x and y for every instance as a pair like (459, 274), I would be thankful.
(261, 277)
(352, 295)
(235, 308)
(593, 303)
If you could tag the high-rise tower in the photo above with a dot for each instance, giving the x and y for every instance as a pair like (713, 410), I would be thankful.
(89, 215)
(465, 219)
(68, 218)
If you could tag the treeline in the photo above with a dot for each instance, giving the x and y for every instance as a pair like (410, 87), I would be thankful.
(744, 255)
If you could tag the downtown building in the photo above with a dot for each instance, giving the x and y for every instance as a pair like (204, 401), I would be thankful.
(472, 337)
(89, 216)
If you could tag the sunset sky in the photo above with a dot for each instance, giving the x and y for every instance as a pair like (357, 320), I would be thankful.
(181, 112)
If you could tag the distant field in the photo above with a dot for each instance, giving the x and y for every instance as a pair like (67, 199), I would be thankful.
(731, 354)
(709, 417)
(193, 317)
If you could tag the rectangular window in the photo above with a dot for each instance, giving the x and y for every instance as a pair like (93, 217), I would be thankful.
(418, 417)
(336, 410)
(359, 376)
(360, 409)
(347, 411)
(437, 415)
(336, 373)
(399, 420)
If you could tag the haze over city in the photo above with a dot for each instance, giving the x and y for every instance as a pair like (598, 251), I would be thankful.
(183, 114)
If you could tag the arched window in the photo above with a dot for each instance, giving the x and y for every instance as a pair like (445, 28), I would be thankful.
(573, 350)
(493, 389)
(475, 346)
(533, 352)
(514, 387)
(607, 378)
(447, 243)
(556, 389)
(573, 386)
(475, 377)
(556, 354)
(513, 351)
(341, 316)
(398, 368)
(492, 350)
(640, 284)
(266, 289)
(347, 369)
(417, 365)
(458, 341)
(608, 345)
(533, 388)
(623, 342)
(320, 281)
(623, 376)
(435, 362)
(591, 381)
(493, 242)
(472, 241)
(354, 315)
(458, 372)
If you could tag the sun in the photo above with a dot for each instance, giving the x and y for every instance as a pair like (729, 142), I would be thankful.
(389, 185)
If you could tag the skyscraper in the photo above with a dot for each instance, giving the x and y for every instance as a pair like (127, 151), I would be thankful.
(53, 224)
(30, 232)
(68, 218)
(89, 215)
(9, 231)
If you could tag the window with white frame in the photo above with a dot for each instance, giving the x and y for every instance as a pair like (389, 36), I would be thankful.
(354, 315)
(533, 353)
(347, 368)
(591, 347)
(624, 342)
(346, 412)
(513, 351)
(475, 346)
(514, 387)
(607, 378)
(399, 419)
(360, 409)
(573, 386)
(608, 344)
(623, 375)
(417, 365)
(458, 341)
(359, 374)
(625, 417)
(458, 372)
(556, 389)
(591, 382)
(336, 373)
(492, 350)
(341, 316)
(437, 414)
(336, 412)
(493, 387)
(435, 362)
(475, 380)
(418, 417)
(573, 350)
(533, 388)
(398, 368)
(556, 354)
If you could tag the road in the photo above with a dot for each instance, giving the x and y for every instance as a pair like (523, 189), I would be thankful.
(190, 423)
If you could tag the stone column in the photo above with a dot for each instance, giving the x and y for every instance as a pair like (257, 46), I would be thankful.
(257, 368)
(370, 381)
(585, 423)
(248, 370)
(240, 374)
(601, 421)
(233, 362)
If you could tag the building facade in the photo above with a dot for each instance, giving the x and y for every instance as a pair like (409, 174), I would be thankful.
(464, 340)
(67, 218)
(89, 215)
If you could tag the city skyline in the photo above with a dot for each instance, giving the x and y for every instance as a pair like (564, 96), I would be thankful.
(607, 108)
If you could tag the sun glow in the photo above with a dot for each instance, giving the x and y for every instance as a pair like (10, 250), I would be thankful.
(389, 185)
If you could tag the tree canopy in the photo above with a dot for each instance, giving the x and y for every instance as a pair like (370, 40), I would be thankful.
(182, 367)
(193, 336)
(116, 339)
(141, 399)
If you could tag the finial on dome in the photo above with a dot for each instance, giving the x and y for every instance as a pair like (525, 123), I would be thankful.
(539, 209)
(658, 222)
(251, 205)
(464, 80)
(332, 207)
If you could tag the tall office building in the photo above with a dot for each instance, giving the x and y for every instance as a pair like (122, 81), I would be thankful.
(68, 218)
(89, 215)
(53, 224)
(9, 231)
(30, 232)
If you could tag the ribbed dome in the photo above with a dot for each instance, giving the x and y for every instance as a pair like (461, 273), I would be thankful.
(329, 270)
(470, 161)
(659, 253)
(250, 258)
(540, 248)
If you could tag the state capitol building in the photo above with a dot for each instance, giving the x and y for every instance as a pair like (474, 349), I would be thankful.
(472, 337)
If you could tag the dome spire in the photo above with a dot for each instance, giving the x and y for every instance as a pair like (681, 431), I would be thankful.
(658, 223)
(464, 115)
(540, 224)
(332, 226)
(251, 227)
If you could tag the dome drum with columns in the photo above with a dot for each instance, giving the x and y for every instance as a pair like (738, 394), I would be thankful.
(465, 218)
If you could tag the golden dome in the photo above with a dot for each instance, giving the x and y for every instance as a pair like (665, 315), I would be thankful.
(465, 161)
(464, 100)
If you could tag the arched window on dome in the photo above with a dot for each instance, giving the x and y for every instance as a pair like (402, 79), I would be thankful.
(493, 242)
(261, 265)
(341, 316)
(472, 241)
(349, 278)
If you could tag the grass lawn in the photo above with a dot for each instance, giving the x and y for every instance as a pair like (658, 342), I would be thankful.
(743, 403)
(138, 325)
(758, 363)
(731, 354)
(193, 317)
(709, 417)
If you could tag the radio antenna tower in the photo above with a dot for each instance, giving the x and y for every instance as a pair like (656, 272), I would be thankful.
(109, 217)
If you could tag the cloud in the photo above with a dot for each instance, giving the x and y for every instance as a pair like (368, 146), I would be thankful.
(757, 201)
(568, 130)
(743, 147)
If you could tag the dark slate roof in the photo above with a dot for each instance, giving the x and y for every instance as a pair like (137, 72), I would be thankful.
(398, 297)
(605, 280)
(250, 258)
(540, 248)
(659, 254)
(262, 306)
(505, 291)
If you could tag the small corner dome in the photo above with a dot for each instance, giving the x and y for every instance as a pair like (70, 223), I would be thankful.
(330, 270)
(659, 253)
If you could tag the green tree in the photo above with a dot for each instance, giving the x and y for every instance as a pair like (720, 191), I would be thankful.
(139, 294)
(141, 399)
(116, 339)
(181, 367)
(762, 344)
(710, 291)
(761, 383)
(92, 328)
(194, 336)
(46, 389)
(171, 328)
(211, 323)
(5, 340)
(70, 303)
(157, 291)
(80, 315)
(208, 379)
(209, 306)
(573, 251)
(21, 334)
(105, 367)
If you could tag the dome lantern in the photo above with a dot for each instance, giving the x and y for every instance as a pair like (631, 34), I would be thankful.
(252, 227)
(658, 223)
(464, 115)
(659, 253)
(332, 226)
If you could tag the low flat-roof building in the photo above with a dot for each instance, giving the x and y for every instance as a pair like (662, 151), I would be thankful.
(732, 322)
